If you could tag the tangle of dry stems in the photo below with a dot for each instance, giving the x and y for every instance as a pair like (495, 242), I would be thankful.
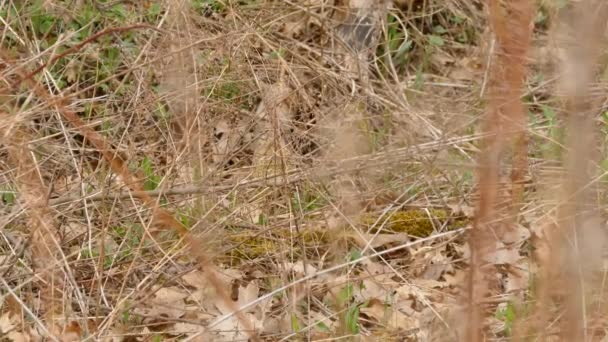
(162, 219)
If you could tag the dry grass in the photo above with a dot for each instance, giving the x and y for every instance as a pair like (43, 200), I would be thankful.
(214, 170)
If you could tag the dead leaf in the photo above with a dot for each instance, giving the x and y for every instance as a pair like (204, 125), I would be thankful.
(71, 332)
(399, 320)
(5, 323)
(455, 279)
(516, 234)
(462, 209)
(518, 277)
(370, 290)
(429, 283)
(280, 324)
(389, 316)
(376, 268)
(376, 310)
(503, 255)
(295, 27)
(430, 262)
(231, 329)
(379, 240)
(186, 328)
(466, 69)
(298, 268)
(204, 294)
(7, 329)
(19, 337)
(248, 293)
(462, 74)
(167, 302)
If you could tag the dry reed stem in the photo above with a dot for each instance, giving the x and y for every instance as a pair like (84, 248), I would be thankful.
(574, 257)
(179, 80)
(503, 123)
(42, 226)
(161, 217)
(513, 30)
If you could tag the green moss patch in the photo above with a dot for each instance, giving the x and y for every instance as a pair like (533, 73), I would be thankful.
(248, 245)
(415, 222)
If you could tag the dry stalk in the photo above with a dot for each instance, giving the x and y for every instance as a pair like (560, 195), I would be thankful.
(179, 81)
(504, 123)
(513, 29)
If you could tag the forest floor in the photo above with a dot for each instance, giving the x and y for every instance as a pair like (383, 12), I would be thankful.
(320, 157)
